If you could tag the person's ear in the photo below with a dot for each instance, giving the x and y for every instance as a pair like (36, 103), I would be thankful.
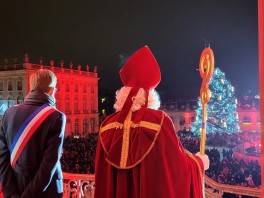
(50, 92)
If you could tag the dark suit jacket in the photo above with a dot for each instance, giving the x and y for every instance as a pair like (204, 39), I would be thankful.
(37, 172)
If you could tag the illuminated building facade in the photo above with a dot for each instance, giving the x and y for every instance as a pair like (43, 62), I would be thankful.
(183, 115)
(77, 94)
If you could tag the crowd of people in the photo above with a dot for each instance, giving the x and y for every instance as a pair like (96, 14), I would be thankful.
(217, 139)
(226, 169)
(79, 153)
(232, 171)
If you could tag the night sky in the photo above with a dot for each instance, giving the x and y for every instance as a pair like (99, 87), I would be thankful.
(106, 33)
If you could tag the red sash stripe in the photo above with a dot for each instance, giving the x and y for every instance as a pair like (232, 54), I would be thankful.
(28, 131)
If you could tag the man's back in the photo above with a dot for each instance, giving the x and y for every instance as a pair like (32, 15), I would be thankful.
(37, 172)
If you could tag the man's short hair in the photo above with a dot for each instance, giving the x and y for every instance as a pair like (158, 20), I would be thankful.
(43, 80)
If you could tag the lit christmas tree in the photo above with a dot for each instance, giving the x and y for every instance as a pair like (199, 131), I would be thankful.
(222, 114)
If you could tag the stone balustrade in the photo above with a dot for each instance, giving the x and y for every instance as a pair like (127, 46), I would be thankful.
(78, 185)
(83, 186)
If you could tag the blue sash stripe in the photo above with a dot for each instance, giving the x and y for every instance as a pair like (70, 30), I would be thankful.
(24, 126)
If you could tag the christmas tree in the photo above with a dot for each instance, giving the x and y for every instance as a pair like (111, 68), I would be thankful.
(222, 114)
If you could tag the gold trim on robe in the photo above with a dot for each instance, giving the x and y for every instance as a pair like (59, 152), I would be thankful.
(116, 127)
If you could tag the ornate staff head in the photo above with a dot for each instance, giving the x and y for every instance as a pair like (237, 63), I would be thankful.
(206, 69)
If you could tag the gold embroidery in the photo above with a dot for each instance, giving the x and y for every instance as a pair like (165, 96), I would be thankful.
(144, 124)
(140, 160)
(150, 125)
(117, 125)
(133, 125)
(125, 143)
(112, 125)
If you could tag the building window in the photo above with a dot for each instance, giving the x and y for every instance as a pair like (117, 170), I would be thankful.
(10, 85)
(2, 105)
(84, 105)
(76, 126)
(76, 108)
(1, 86)
(85, 125)
(93, 107)
(92, 123)
(76, 88)
(247, 120)
(20, 99)
(182, 121)
(19, 85)
(67, 88)
(67, 105)
(193, 119)
(84, 89)
(10, 101)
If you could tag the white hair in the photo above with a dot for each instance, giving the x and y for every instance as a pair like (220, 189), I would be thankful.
(138, 100)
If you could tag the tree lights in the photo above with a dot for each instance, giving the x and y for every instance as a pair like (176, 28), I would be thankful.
(222, 114)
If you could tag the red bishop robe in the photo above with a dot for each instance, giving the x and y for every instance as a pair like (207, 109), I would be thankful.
(143, 158)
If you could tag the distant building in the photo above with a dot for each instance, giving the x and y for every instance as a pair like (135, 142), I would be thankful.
(249, 116)
(77, 94)
(183, 115)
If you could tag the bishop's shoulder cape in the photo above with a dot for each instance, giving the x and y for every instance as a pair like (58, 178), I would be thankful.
(143, 158)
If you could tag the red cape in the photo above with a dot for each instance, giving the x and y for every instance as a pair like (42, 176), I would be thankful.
(144, 159)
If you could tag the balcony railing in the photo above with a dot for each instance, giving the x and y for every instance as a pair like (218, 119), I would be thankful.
(78, 185)
(221, 188)
(83, 186)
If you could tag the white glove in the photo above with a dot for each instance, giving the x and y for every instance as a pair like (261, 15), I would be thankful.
(205, 160)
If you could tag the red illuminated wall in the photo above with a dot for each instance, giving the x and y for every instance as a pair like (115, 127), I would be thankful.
(77, 94)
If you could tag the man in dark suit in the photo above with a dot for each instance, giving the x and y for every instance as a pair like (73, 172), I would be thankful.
(36, 172)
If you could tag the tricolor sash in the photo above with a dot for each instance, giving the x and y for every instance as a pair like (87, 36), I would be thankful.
(27, 130)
